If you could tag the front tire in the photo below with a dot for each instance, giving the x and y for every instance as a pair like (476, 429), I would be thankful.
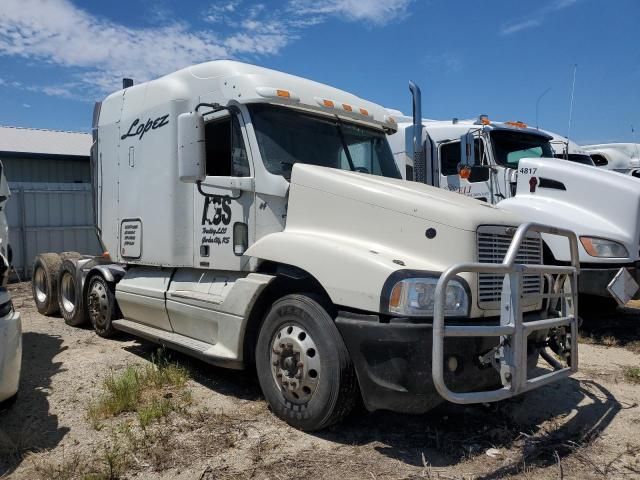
(303, 365)
(100, 302)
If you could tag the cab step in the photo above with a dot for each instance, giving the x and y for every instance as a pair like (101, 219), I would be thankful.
(175, 341)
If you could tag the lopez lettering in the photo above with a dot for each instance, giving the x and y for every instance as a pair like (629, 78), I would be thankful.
(138, 129)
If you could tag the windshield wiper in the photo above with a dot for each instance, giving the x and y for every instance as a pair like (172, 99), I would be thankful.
(344, 144)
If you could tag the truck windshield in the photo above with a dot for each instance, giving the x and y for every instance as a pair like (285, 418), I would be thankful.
(509, 147)
(286, 136)
(577, 158)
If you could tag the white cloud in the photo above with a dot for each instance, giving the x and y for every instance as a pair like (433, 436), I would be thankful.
(26, 105)
(523, 25)
(378, 12)
(536, 17)
(57, 32)
(97, 52)
(446, 61)
(220, 11)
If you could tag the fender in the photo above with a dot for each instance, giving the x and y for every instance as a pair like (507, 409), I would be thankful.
(352, 275)
(111, 272)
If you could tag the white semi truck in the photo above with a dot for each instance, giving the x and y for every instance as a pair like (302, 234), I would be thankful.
(566, 149)
(254, 219)
(619, 157)
(10, 322)
(514, 167)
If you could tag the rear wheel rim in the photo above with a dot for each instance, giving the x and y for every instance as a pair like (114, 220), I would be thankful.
(40, 285)
(295, 363)
(68, 291)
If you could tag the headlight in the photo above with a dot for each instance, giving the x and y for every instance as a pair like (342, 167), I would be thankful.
(415, 297)
(601, 247)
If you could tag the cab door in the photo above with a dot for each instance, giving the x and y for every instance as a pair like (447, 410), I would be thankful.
(224, 219)
(224, 227)
(477, 185)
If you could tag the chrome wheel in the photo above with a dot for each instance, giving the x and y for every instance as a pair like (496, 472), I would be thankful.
(98, 304)
(68, 292)
(295, 363)
(40, 285)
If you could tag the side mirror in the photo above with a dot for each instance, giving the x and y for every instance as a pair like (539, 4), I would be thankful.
(479, 173)
(467, 150)
(192, 155)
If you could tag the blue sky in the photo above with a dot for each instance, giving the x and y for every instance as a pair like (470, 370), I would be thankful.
(470, 57)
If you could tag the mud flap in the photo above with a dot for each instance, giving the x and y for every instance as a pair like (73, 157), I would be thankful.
(623, 287)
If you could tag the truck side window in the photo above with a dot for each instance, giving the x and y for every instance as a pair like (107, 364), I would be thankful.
(226, 153)
(450, 157)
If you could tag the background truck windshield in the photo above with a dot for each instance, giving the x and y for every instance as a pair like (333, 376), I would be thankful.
(286, 136)
(577, 158)
(509, 147)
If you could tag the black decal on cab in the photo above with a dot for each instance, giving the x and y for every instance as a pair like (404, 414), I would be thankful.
(216, 210)
(138, 129)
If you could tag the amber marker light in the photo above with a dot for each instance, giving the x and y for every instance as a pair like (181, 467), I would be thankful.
(516, 124)
(588, 246)
(396, 295)
(465, 173)
(283, 93)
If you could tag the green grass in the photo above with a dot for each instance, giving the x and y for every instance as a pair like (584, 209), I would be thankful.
(155, 410)
(152, 391)
(632, 374)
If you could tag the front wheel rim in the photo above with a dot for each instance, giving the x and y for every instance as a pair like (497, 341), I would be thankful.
(295, 363)
(98, 304)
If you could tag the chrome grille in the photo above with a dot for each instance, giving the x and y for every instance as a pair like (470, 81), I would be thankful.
(493, 243)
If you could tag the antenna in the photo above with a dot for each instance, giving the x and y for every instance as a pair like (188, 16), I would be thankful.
(573, 89)
(538, 104)
(635, 140)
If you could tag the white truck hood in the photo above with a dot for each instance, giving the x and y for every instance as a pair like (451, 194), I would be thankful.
(589, 201)
(351, 231)
(404, 197)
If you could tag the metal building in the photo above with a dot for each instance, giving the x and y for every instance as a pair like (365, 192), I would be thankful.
(50, 209)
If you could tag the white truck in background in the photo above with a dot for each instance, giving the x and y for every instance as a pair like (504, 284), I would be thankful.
(255, 219)
(619, 157)
(10, 322)
(514, 167)
(566, 149)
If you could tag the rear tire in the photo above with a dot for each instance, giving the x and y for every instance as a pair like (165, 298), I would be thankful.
(101, 307)
(70, 256)
(303, 365)
(69, 295)
(44, 282)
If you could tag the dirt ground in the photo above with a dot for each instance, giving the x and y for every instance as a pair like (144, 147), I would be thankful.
(585, 427)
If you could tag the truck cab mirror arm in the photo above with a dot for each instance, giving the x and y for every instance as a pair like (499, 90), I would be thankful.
(230, 183)
(215, 107)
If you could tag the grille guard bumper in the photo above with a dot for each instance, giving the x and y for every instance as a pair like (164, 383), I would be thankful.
(511, 357)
